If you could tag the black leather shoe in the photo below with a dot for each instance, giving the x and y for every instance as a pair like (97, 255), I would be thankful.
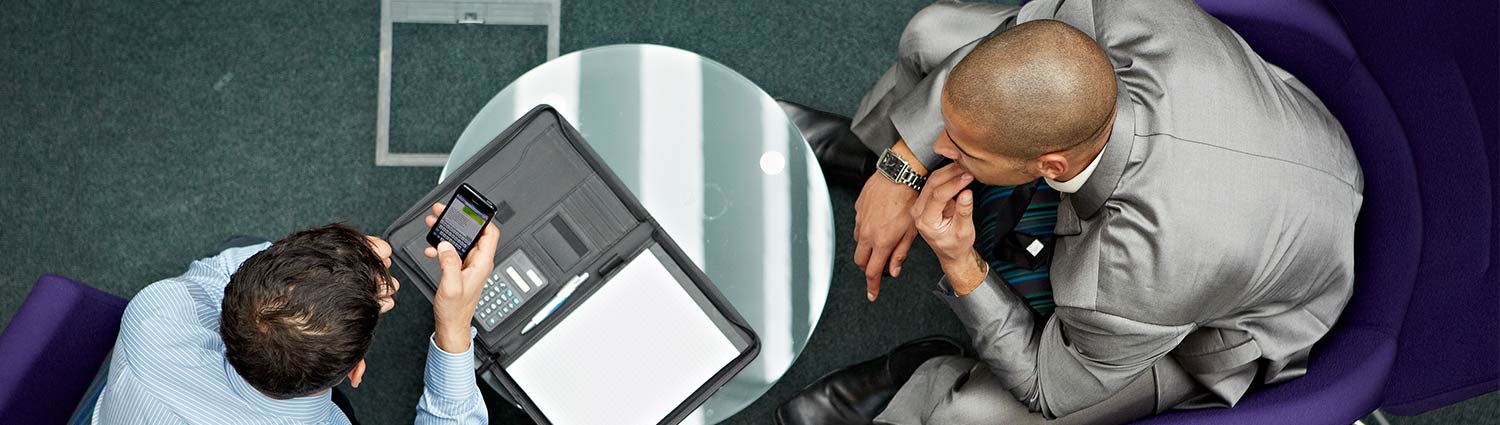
(845, 160)
(858, 393)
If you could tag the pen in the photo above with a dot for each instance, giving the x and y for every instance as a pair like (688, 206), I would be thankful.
(557, 300)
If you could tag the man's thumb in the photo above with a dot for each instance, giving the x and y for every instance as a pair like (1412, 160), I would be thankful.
(448, 259)
(966, 203)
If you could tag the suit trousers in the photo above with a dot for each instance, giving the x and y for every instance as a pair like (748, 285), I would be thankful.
(960, 390)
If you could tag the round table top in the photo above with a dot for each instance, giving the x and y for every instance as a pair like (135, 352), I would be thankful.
(716, 162)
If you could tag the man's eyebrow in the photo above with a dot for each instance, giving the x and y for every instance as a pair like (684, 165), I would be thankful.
(955, 144)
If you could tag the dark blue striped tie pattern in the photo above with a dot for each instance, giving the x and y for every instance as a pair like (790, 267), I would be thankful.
(997, 216)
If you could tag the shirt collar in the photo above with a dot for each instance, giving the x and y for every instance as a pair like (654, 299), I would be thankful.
(309, 409)
(1077, 181)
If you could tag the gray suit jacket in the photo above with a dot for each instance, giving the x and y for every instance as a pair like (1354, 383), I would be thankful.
(1218, 228)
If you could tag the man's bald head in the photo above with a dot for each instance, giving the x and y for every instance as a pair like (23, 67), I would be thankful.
(1037, 88)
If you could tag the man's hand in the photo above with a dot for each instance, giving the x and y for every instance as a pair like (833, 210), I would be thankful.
(883, 230)
(947, 224)
(462, 283)
(387, 295)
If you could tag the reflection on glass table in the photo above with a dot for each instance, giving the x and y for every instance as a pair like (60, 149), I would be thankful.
(718, 164)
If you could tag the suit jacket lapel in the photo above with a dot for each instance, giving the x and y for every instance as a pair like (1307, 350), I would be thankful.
(1067, 218)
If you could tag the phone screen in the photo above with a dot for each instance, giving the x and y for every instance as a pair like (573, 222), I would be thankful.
(465, 216)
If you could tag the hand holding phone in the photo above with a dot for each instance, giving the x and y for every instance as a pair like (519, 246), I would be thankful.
(463, 279)
(459, 224)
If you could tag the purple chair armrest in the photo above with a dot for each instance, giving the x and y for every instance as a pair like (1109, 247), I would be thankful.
(1345, 381)
(53, 347)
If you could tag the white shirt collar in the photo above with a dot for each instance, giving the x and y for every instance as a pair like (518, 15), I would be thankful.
(1077, 182)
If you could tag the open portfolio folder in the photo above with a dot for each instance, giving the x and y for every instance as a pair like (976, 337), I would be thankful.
(644, 338)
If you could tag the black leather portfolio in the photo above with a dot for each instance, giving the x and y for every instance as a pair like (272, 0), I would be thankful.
(645, 338)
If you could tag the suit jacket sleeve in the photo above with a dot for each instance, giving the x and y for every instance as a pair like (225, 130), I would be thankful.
(1073, 360)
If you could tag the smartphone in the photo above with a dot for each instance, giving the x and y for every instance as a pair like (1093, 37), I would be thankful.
(462, 220)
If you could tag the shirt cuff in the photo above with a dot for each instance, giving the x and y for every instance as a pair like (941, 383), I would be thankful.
(451, 375)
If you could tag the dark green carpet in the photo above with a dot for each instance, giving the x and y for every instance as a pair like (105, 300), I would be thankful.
(136, 135)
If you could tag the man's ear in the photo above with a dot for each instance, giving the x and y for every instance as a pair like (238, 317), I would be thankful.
(1053, 165)
(357, 374)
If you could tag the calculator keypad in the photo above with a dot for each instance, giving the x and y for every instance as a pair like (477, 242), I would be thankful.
(511, 284)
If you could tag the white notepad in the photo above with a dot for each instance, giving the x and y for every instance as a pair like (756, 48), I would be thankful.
(633, 351)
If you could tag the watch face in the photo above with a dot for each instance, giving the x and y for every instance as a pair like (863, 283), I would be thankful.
(890, 164)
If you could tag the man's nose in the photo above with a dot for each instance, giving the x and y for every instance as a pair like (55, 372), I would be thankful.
(944, 146)
(946, 153)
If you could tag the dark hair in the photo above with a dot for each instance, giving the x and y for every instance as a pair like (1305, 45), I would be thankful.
(299, 316)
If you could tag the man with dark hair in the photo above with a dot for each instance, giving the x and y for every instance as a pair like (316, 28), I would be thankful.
(1204, 205)
(298, 316)
(263, 333)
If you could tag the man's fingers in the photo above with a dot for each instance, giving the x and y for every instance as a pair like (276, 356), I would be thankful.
(430, 252)
(937, 203)
(932, 211)
(944, 174)
(856, 224)
(484, 248)
(898, 256)
(874, 270)
(951, 188)
(381, 249)
(387, 304)
(938, 179)
(861, 253)
(437, 211)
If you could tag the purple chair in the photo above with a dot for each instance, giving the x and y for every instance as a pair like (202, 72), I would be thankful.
(1437, 63)
(1420, 330)
(53, 349)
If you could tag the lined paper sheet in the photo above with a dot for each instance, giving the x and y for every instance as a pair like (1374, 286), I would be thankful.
(628, 355)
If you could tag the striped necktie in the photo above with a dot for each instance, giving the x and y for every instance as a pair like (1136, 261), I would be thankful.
(1014, 234)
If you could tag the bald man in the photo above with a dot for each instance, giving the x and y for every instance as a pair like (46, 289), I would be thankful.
(1204, 237)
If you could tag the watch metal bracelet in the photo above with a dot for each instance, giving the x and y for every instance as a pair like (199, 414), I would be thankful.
(895, 168)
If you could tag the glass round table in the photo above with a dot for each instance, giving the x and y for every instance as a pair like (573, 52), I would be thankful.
(718, 164)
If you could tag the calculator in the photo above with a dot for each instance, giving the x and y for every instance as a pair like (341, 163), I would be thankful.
(513, 282)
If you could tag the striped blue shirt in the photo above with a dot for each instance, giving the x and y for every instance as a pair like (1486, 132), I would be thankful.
(169, 365)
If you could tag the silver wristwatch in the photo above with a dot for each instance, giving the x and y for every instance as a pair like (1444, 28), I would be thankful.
(893, 167)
